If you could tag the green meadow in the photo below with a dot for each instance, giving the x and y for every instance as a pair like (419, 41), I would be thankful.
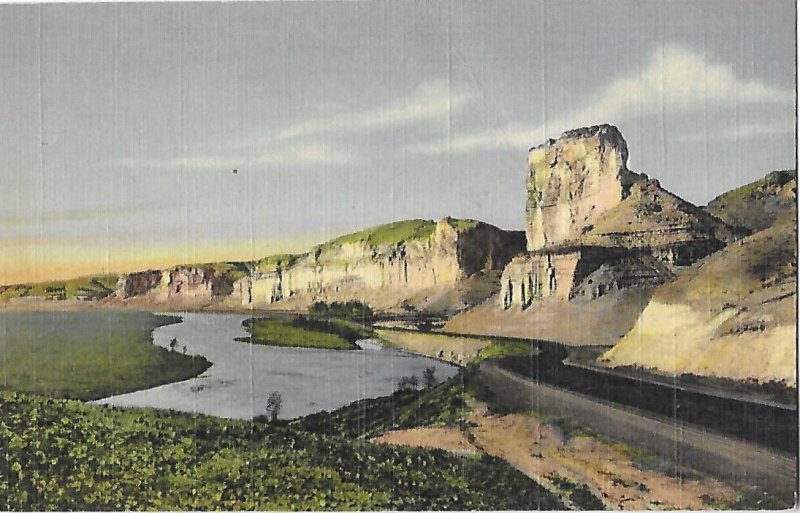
(87, 355)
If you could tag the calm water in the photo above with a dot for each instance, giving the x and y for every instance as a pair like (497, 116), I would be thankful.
(243, 375)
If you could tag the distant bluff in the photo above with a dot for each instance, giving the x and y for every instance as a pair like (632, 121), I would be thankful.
(418, 264)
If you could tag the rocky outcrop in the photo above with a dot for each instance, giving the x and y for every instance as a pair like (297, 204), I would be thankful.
(385, 273)
(572, 181)
(136, 284)
(578, 273)
(183, 284)
(588, 213)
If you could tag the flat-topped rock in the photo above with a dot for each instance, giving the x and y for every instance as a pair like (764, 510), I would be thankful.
(572, 181)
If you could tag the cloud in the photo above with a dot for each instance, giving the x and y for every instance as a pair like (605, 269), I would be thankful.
(297, 153)
(492, 139)
(430, 101)
(675, 78)
(311, 142)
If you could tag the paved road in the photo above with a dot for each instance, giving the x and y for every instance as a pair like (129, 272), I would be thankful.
(679, 446)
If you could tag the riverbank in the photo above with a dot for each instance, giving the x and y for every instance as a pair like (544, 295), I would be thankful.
(89, 354)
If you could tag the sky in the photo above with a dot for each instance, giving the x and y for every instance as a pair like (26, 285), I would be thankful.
(123, 123)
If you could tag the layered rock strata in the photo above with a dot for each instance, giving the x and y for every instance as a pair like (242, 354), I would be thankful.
(386, 274)
(586, 211)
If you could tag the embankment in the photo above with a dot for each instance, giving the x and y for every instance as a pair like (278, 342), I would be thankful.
(679, 445)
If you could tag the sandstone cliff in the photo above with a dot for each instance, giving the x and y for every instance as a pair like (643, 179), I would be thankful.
(411, 264)
(572, 181)
(733, 314)
(587, 211)
(422, 265)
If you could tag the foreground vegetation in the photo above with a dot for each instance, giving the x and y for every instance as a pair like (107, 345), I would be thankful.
(443, 405)
(88, 355)
(65, 455)
(305, 332)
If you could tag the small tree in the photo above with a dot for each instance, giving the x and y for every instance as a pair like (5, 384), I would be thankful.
(273, 407)
(184, 349)
(173, 344)
(429, 377)
(408, 383)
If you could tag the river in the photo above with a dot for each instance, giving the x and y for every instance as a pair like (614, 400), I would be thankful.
(243, 375)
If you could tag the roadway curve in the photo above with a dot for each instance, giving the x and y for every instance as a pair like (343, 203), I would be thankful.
(679, 445)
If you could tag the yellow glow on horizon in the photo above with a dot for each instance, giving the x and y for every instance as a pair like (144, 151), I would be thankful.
(27, 262)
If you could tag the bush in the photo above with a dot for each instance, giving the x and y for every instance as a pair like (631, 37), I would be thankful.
(408, 383)
(348, 310)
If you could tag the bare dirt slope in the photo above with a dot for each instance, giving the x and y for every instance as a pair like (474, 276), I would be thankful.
(602, 321)
(732, 315)
(568, 461)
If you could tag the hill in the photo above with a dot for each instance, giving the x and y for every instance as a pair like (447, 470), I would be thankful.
(760, 204)
(734, 313)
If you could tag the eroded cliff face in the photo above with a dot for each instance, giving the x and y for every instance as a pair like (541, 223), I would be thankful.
(449, 265)
(587, 213)
(182, 285)
(572, 181)
(388, 274)
(578, 274)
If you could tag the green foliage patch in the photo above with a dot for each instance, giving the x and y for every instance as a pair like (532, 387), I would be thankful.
(66, 455)
(503, 348)
(392, 233)
(88, 355)
(305, 332)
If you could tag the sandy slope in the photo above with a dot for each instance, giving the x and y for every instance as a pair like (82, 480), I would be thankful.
(602, 321)
(733, 315)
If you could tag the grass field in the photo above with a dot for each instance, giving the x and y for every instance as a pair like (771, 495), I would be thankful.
(304, 332)
(87, 355)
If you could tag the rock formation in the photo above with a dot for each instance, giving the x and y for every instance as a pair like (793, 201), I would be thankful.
(410, 264)
(386, 272)
(586, 211)
(572, 181)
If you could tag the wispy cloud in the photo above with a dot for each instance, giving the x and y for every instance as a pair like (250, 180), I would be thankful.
(295, 153)
(675, 78)
(311, 142)
(430, 101)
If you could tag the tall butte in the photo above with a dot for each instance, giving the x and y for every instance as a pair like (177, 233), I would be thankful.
(594, 227)
(572, 181)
